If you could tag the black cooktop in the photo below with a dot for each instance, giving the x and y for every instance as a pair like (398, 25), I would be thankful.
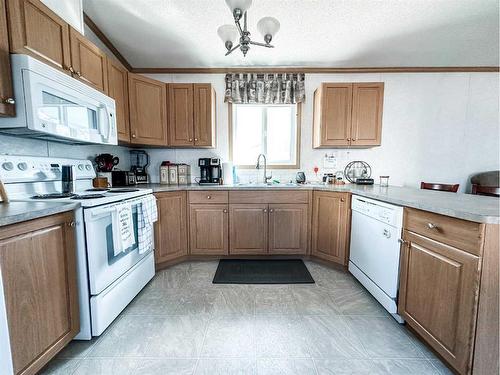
(53, 196)
(88, 196)
(124, 190)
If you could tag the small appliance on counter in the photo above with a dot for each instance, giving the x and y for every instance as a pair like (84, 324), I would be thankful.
(139, 161)
(122, 178)
(104, 167)
(210, 171)
(358, 172)
(300, 178)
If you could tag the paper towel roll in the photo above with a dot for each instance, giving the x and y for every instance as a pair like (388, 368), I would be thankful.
(227, 173)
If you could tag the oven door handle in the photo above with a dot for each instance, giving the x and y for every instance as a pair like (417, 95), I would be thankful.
(96, 212)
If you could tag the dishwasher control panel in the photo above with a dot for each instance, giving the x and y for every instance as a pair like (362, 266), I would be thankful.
(381, 211)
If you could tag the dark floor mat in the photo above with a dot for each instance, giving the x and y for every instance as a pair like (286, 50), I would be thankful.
(262, 271)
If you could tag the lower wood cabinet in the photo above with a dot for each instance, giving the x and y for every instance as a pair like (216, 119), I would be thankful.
(171, 238)
(248, 228)
(331, 226)
(208, 229)
(438, 296)
(38, 270)
(288, 228)
(7, 100)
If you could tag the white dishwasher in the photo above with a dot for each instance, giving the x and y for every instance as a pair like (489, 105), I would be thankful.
(374, 256)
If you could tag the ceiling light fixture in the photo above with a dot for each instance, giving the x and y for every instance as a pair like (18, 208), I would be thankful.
(267, 26)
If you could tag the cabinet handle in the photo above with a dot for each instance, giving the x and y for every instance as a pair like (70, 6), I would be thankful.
(353, 139)
(133, 135)
(224, 210)
(265, 210)
(342, 199)
(402, 242)
(348, 139)
(78, 74)
(209, 197)
(190, 139)
(70, 68)
(271, 210)
(196, 139)
(9, 101)
(432, 226)
(71, 224)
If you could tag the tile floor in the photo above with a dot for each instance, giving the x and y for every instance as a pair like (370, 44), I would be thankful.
(181, 323)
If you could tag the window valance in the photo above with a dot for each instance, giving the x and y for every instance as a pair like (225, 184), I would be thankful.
(253, 88)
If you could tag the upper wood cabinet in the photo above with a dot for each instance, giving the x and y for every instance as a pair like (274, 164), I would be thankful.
(191, 115)
(171, 239)
(148, 111)
(348, 114)
(288, 228)
(37, 31)
(38, 270)
(248, 228)
(7, 100)
(118, 90)
(331, 226)
(88, 62)
(208, 226)
(438, 296)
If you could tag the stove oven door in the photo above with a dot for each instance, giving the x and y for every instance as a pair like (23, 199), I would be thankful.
(104, 266)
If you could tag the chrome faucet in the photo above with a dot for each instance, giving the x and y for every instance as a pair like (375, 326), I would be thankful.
(266, 177)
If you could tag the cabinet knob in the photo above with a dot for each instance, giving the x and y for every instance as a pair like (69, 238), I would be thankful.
(72, 224)
(265, 210)
(209, 197)
(78, 74)
(70, 68)
(271, 210)
(353, 139)
(190, 139)
(196, 139)
(224, 210)
(133, 135)
(9, 101)
(348, 139)
(342, 199)
(402, 242)
(432, 226)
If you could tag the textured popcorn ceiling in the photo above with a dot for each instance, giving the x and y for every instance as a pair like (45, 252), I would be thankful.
(332, 33)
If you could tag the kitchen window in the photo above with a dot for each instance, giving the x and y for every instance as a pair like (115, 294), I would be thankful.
(270, 129)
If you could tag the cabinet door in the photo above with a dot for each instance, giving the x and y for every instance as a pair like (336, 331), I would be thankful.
(367, 102)
(330, 226)
(208, 228)
(288, 228)
(118, 90)
(248, 228)
(180, 114)
(332, 115)
(438, 296)
(7, 106)
(37, 31)
(148, 111)
(204, 115)
(88, 62)
(171, 228)
(38, 266)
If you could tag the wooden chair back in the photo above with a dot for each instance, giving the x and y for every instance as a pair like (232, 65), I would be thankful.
(452, 188)
(493, 191)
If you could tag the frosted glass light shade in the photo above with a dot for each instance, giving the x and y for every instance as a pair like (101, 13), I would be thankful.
(268, 26)
(228, 33)
(243, 5)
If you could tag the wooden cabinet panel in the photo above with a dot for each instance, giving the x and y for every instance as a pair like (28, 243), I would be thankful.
(88, 62)
(148, 111)
(248, 225)
(38, 270)
(171, 227)
(37, 31)
(331, 226)
(208, 196)
(6, 89)
(208, 228)
(266, 196)
(438, 296)
(332, 125)
(180, 114)
(367, 102)
(288, 228)
(118, 90)
(204, 115)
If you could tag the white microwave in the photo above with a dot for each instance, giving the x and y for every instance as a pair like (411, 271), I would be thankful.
(54, 106)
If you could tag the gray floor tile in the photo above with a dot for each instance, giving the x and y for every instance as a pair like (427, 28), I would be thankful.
(331, 337)
(269, 301)
(155, 302)
(383, 337)
(230, 336)
(105, 366)
(165, 366)
(280, 337)
(403, 367)
(60, 367)
(354, 300)
(298, 366)
(344, 367)
(235, 299)
(232, 366)
(311, 300)
(197, 302)
(77, 349)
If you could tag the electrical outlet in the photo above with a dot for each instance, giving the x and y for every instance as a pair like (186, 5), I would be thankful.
(329, 161)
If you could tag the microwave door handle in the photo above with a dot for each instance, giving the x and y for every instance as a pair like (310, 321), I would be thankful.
(105, 123)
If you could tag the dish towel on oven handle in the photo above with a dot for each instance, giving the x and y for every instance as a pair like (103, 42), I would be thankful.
(123, 228)
(147, 214)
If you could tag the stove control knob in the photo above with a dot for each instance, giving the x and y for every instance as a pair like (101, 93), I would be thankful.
(80, 167)
(22, 166)
(88, 167)
(8, 166)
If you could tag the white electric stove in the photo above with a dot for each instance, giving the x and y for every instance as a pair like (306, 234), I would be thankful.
(106, 282)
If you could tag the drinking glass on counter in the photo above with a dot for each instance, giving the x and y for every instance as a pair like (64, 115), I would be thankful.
(384, 181)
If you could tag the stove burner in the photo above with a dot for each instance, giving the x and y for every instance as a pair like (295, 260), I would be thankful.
(122, 190)
(98, 189)
(53, 196)
(88, 196)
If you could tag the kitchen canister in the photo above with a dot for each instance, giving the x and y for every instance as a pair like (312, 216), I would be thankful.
(164, 172)
(173, 174)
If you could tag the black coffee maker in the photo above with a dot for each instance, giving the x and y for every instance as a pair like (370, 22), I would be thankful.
(210, 170)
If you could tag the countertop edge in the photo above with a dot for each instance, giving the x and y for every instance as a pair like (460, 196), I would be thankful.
(36, 213)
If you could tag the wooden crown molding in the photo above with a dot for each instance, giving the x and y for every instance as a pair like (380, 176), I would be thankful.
(319, 70)
(286, 69)
(104, 39)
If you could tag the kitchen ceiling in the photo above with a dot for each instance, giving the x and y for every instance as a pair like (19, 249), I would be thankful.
(314, 33)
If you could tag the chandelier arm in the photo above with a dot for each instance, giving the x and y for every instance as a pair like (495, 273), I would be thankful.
(238, 25)
(261, 44)
(232, 49)
(245, 22)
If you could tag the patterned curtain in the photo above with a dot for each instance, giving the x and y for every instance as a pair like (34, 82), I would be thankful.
(248, 88)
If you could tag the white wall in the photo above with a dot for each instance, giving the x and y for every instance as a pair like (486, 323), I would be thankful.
(436, 127)
(69, 10)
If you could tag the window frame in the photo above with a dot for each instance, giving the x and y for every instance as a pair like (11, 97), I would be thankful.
(298, 115)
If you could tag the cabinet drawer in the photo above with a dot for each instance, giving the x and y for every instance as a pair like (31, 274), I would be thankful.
(266, 196)
(462, 234)
(208, 196)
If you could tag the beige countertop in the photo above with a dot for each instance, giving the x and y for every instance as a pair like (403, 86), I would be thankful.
(476, 208)
(16, 212)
